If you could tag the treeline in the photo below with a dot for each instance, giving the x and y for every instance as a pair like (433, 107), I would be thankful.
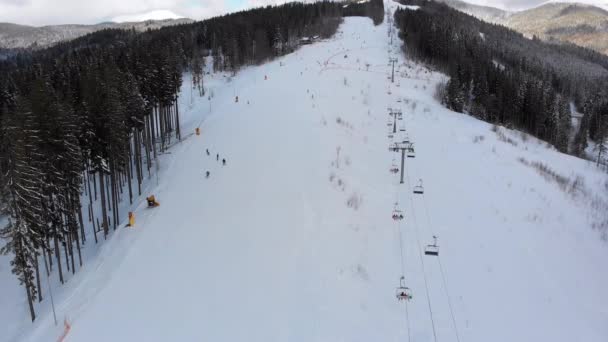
(499, 76)
(87, 119)
(372, 8)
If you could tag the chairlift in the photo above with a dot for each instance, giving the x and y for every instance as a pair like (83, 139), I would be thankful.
(403, 292)
(394, 168)
(410, 151)
(432, 249)
(419, 189)
(397, 214)
(390, 135)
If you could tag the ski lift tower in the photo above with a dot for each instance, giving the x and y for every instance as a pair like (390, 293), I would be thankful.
(396, 114)
(393, 60)
(403, 147)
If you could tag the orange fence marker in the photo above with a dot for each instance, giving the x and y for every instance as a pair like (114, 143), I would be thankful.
(131, 219)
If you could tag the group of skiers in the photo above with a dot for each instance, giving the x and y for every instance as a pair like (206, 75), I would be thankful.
(217, 158)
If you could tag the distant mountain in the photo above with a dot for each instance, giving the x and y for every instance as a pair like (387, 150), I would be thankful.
(581, 24)
(13, 36)
(486, 13)
(584, 25)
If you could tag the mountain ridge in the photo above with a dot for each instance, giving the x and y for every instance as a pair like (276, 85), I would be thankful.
(560, 22)
(16, 36)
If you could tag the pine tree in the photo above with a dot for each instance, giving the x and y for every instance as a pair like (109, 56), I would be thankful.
(601, 136)
(21, 189)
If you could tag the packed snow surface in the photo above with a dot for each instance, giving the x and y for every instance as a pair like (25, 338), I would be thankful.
(293, 239)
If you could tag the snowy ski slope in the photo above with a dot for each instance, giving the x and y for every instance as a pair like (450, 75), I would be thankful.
(293, 239)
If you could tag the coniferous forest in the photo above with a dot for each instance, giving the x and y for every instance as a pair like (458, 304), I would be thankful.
(86, 119)
(500, 76)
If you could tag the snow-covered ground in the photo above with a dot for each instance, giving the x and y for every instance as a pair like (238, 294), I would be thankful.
(293, 239)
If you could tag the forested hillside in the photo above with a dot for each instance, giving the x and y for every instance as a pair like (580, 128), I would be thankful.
(499, 76)
(92, 115)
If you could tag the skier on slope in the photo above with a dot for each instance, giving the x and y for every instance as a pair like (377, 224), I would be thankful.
(207, 174)
(224, 162)
(207, 150)
(217, 156)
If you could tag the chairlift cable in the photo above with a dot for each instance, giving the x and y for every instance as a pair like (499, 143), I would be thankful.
(447, 294)
(407, 320)
(407, 317)
(426, 285)
(443, 277)
(401, 248)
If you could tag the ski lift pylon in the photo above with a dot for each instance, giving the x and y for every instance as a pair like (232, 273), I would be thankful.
(403, 292)
(432, 249)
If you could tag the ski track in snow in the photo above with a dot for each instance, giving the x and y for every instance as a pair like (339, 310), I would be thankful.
(293, 239)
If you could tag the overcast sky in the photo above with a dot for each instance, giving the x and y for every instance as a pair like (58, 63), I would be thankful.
(51, 12)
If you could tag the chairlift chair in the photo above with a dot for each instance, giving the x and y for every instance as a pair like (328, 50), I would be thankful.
(432, 249)
(397, 214)
(411, 153)
(403, 292)
(419, 189)
(394, 168)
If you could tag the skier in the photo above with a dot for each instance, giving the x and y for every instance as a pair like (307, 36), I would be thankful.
(224, 162)
(207, 151)
(217, 157)
(207, 174)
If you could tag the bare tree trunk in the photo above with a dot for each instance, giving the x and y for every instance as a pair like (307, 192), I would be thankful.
(103, 206)
(71, 248)
(129, 169)
(36, 267)
(65, 250)
(78, 207)
(58, 257)
(153, 135)
(30, 301)
(178, 131)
